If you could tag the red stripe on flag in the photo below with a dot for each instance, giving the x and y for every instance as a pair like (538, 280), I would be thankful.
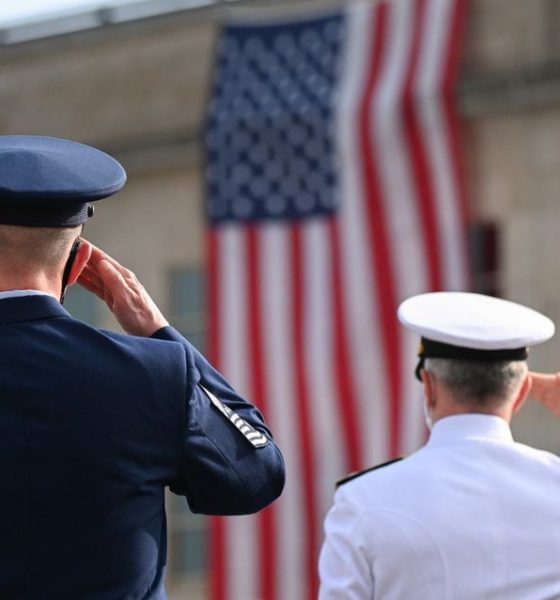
(454, 43)
(218, 559)
(420, 168)
(303, 417)
(267, 570)
(345, 389)
(217, 553)
(381, 258)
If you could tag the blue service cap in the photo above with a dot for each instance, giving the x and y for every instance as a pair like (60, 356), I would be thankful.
(49, 182)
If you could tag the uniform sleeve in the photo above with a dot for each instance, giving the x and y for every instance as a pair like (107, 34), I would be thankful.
(344, 567)
(230, 463)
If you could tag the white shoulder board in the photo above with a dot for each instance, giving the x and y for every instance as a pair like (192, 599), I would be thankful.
(256, 438)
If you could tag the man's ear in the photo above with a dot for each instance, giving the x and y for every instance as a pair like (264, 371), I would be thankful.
(523, 393)
(82, 257)
(429, 388)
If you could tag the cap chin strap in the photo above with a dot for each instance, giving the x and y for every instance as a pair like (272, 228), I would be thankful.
(419, 367)
(68, 267)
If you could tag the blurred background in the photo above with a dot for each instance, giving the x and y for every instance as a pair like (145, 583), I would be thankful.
(134, 78)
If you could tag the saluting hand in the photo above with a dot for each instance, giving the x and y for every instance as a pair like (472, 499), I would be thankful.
(545, 389)
(125, 296)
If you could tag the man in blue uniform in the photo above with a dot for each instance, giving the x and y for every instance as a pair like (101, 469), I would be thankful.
(93, 424)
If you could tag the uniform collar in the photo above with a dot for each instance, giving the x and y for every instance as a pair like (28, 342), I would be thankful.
(470, 427)
(18, 293)
(30, 308)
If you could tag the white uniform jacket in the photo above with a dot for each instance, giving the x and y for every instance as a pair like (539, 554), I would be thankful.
(471, 516)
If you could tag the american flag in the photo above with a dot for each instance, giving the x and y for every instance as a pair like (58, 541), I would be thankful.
(334, 192)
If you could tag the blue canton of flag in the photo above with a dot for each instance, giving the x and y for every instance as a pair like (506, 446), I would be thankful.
(269, 135)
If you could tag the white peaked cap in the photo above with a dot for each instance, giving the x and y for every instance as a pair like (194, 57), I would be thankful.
(474, 321)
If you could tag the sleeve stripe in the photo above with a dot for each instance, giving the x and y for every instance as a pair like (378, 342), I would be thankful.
(256, 438)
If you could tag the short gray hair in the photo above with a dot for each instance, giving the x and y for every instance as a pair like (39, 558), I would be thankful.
(36, 246)
(477, 384)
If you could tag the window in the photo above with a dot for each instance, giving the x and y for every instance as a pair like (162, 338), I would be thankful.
(187, 532)
(187, 539)
(82, 305)
(485, 258)
(188, 305)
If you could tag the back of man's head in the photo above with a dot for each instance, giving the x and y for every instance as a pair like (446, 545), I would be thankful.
(31, 249)
(47, 186)
(479, 386)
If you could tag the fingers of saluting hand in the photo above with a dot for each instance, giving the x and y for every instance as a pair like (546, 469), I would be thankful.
(93, 284)
(126, 292)
(104, 270)
(98, 256)
(90, 270)
(90, 285)
(545, 388)
(110, 275)
(544, 384)
(545, 380)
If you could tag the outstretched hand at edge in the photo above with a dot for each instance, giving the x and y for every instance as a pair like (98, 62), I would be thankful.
(545, 389)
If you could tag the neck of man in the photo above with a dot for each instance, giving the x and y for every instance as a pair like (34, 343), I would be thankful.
(40, 281)
(447, 406)
(505, 412)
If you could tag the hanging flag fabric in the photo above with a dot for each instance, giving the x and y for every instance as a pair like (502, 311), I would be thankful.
(334, 192)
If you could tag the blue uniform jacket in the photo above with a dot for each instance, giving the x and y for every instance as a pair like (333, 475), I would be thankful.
(93, 426)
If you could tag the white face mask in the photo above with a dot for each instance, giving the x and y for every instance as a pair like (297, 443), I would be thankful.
(427, 415)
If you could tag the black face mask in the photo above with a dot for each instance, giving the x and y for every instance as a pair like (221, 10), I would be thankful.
(68, 267)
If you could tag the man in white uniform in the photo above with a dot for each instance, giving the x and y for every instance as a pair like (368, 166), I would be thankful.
(473, 514)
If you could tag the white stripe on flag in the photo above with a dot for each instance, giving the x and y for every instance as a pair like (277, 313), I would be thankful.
(401, 204)
(239, 532)
(276, 294)
(365, 346)
(399, 198)
(329, 450)
(430, 76)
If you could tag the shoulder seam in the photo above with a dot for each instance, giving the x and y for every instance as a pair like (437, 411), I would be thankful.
(357, 474)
